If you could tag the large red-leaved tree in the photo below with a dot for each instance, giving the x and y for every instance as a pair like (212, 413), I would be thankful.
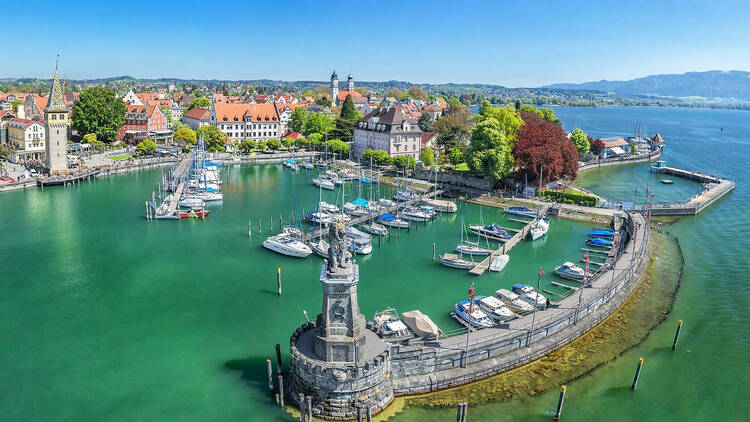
(542, 144)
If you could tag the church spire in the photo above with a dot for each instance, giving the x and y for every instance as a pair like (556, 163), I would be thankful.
(56, 103)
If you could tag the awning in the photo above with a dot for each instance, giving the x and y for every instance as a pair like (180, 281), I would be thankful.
(617, 151)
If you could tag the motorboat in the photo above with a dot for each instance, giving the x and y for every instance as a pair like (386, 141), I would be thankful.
(375, 228)
(472, 249)
(320, 247)
(456, 261)
(287, 245)
(492, 231)
(473, 315)
(521, 211)
(307, 165)
(402, 196)
(570, 271)
(499, 263)
(391, 221)
(294, 167)
(389, 327)
(387, 203)
(598, 241)
(293, 231)
(355, 210)
(495, 308)
(604, 234)
(429, 210)
(420, 324)
(323, 183)
(355, 233)
(193, 213)
(326, 207)
(340, 216)
(318, 218)
(359, 246)
(414, 214)
(441, 205)
(538, 229)
(192, 202)
(207, 196)
(667, 181)
(513, 301)
(527, 293)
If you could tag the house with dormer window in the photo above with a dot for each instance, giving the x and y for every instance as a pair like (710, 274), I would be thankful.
(387, 128)
(246, 121)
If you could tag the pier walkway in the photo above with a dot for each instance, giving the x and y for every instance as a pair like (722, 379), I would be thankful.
(177, 178)
(715, 189)
(483, 266)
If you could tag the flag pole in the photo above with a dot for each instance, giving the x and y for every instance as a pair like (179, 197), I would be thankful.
(536, 305)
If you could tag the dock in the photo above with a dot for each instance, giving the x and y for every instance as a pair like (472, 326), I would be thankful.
(483, 266)
(715, 188)
(66, 180)
(175, 183)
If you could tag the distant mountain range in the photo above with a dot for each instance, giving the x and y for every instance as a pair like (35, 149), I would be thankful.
(711, 85)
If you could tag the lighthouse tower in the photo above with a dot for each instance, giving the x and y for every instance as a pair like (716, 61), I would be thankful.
(334, 88)
(56, 129)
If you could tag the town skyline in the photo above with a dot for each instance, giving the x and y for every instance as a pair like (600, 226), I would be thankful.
(445, 43)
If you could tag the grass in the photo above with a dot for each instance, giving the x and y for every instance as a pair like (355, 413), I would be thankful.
(462, 167)
(121, 157)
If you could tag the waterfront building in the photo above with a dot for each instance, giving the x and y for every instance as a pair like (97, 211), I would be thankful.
(27, 137)
(246, 121)
(197, 117)
(614, 147)
(57, 125)
(145, 121)
(5, 117)
(386, 128)
(285, 114)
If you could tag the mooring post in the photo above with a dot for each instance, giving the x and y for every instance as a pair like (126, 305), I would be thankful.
(260, 226)
(433, 251)
(278, 359)
(389, 235)
(399, 232)
(281, 221)
(465, 413)
(270, 376)
(277, 398)
(309, 408)
(249, 229)
(301, 398)
(278, 279)
(677, 335)
(460, 412)
(637, 373)
(369, 414)
(270, 223)
(281, 390)
(560, 401)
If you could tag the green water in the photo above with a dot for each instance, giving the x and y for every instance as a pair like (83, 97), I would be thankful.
(107, 316)
(110, 316)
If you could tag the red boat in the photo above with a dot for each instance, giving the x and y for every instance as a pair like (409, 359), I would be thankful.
(194, 214)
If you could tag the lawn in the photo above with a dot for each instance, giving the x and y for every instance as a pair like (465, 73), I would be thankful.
(121, 157)
(462, 167)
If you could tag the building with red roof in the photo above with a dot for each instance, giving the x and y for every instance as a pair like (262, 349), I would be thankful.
(246, 121)
(144, 121)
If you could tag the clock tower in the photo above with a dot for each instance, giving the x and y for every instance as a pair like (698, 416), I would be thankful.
(56, 128)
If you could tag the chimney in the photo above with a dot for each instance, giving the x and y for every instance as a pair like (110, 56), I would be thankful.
(20, 112)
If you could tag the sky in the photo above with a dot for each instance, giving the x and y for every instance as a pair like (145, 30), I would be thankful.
(508, 43)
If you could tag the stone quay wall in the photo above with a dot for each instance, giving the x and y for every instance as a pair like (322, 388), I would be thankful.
(444, 364)
(630, 159)
(334, 386)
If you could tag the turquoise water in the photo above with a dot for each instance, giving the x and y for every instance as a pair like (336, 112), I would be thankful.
(107, 316)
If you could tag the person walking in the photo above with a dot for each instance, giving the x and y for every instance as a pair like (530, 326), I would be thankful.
(546, 305)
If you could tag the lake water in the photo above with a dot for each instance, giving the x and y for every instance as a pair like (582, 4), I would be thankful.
(107, 316)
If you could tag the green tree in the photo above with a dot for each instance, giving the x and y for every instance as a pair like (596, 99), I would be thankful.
(344, 125)
(187, 135)
(316, 140)
(484, 108)
(396, 93)
(99, 111)
(247, 146)
(338, 147)
(518, 104)
(287, 142)
(145, 147)
(508, 118)
(301, 143)
(426, 122)
(549, 115)
(273, 144)
(261, 145)
(581, 141)
(297, 120)
(90, 138)
(456, 156)
(489, 152)
(404, 161)
(214, 139)
(198, 102)
(427, 156)
(318, 123)
(633, 147)
(417, 93)
(14, 105)
(323, 101)
(167, 112)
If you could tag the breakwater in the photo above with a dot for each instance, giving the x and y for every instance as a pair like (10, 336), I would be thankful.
(630, 159)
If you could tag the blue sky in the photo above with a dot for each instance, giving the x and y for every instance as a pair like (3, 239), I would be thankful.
(509, 43)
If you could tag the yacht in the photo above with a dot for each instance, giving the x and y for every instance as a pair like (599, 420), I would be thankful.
(570, 271)
(193, 213)
(598, 241)
(192, 202)
(354, 209)
(527, 293)
(476, 318)
(492, 231)
(359, 246)
(513, 301)
(328, 208)
(323, 183)
(391, 220)
(375, 228)
(521, 211)
(456, 261)
(538, 229)
(389, 327)
(414, 214)
(320, 247)
(319, 218)
(499, 263)
(353, 232)
(495, 308)
(429, 210)
(207, 195)
(387, 203)
(285, 244)
(402, 196)
(472, 249)
(307, 165)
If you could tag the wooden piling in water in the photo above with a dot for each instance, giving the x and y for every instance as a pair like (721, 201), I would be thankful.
(281, 390)
(278, 359)
(465, 412)
(459, 412)
(677, 335)
(637, 373)
(560, 401)
(301, 398)
(309, 408)
(270, 375)
(278, 279)
(433, 251)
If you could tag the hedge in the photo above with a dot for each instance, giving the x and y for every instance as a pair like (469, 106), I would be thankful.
(569, 197)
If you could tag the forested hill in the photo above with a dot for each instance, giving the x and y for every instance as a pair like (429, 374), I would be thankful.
(710, 84)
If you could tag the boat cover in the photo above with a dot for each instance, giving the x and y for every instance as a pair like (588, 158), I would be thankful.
(597, 241)
(211, 164)
(387, 217)
(518, 209)
(600, 233)
(420, 323)
(360, 202)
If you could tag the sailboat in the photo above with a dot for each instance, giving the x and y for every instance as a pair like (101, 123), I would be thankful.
(470, 248)
(457, 261)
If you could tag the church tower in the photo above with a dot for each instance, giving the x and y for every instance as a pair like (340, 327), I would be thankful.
(334, 88)
(350, 83)
(56, 129)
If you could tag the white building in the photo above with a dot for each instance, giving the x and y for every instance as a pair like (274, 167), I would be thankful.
(387, 129)
(285, 114)
(246, 121)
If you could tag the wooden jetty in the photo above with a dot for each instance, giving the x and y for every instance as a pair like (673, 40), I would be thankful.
(483, 266)
(178, 177)
(66, 180)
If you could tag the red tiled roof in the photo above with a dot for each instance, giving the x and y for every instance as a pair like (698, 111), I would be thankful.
(615, 143)
(342, 94)
(236, 112)
(40, 102)
(21, 123)
(294, 135)
(198, 113)
(657, 138)
(148, 110)
(426, 136)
